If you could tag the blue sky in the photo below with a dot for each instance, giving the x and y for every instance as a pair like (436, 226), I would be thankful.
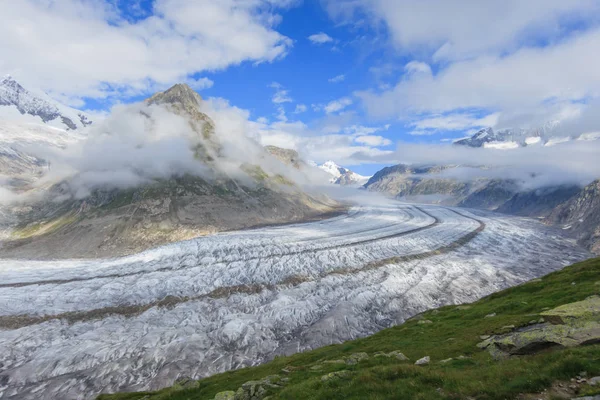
(384, 72)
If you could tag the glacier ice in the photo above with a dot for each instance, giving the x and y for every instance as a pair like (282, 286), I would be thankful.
(240, 298)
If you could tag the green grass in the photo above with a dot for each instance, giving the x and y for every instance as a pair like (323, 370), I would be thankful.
(38, 228)
(454, 332)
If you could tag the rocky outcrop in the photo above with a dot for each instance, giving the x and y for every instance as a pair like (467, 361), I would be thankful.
(286, 156)
(253, 390)
(570, 325)
(580, 216)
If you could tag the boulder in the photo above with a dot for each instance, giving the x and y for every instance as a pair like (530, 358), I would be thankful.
(257, 390)
(335, 375)
(581, 310)
(569, 325)
(423, 361)
(594, 381)
(396, 354)
(251, 390)
(227, 395)
(355, 358)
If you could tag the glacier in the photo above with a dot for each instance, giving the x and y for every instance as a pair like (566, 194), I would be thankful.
(73, 329)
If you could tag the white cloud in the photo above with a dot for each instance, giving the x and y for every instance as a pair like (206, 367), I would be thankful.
(463, 28)
(452, 122)
(337, 79)
(281, 95)
(527, 78)
(320, 38)
(373, 140)
(315, 145)
(84, 48)
(200, 83)
(337, 105)
(300, 108)
(417, 67)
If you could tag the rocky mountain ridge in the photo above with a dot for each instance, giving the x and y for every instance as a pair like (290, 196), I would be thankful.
(112, 222)
(511, 138)
(577, 210)
(15, 100)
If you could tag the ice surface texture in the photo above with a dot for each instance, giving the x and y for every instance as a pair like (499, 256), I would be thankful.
(73, 329)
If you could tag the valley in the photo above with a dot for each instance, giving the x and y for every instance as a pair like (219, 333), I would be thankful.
(77, 328)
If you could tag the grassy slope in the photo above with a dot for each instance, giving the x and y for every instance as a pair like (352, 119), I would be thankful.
(454, 332)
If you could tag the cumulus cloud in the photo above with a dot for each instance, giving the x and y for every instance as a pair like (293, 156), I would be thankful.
(431, 124)
(337, 105)
(300, 108)
(373, 140)
(337, 79)
(85, 48)
(464, 28)
(320, 38)
(281, 94)
(526, 78)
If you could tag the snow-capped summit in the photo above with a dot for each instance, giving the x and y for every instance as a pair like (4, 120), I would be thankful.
(546, 135)
(341, 175)
(18, 103)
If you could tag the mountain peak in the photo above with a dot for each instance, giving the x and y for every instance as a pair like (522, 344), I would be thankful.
(341, 175)
(18, 102)
(180, 94)
(7, 78)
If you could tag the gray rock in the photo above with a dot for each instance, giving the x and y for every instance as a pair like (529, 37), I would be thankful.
(447, 360)
(581, 310)
(594, 381)
(490, 315)
(577, 325)
(251, 390)
(423, 361)
(356, 358)
(336, 375)
(227, 395)
(397, 354)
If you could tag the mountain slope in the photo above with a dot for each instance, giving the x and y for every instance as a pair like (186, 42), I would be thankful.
(343, 176)
(580, 215)
(111, 222)
(419, 183)
(383, 366)
(16, 102)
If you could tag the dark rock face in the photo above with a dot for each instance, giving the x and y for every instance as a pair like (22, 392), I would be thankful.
(538, 202)
(491, 196)
(580, 216)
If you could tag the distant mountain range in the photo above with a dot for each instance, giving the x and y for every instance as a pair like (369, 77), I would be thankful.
(514, 138)
(16, 102)
(575, 209)
(343, 176)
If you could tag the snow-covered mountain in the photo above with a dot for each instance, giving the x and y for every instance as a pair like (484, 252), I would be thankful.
(343, 176)
(18, 103)
(545, 135)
